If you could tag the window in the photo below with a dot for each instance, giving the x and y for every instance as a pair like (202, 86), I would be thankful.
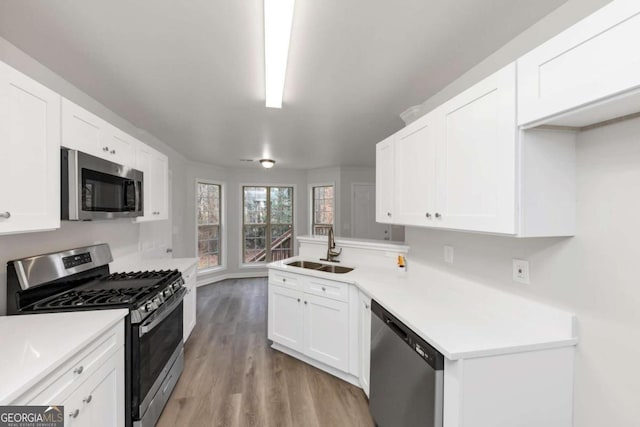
(322, 210)
(209, 208)
(267, 225)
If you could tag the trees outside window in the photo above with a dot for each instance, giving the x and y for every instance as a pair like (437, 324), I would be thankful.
(208, 211)
(323, 209)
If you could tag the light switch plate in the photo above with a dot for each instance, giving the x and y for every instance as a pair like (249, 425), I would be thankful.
(521, 271)
(448, 254)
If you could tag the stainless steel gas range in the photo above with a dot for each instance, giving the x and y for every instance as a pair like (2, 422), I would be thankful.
(79, 279)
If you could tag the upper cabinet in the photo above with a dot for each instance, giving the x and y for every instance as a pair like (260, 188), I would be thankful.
(466, 166)
(30, 156)
(154, 166)
(385, 181)
(86, 132)
(589, 73)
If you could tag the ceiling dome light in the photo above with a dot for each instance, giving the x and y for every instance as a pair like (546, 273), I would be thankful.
(267, 163)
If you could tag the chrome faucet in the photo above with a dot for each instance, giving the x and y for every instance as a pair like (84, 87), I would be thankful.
(331, 245)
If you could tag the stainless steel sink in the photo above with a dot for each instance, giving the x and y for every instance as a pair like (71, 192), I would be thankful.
(306, 264)
(336, 269)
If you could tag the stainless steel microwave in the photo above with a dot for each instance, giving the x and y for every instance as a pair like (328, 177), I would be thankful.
(94, 188)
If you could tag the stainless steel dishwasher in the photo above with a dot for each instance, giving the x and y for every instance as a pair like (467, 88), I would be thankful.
(406, 375)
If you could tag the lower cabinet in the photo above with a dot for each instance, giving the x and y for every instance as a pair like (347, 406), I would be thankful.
(315, 326)
(189, 303)
(364, 329)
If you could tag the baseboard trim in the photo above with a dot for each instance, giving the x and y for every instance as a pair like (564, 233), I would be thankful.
(208, 280)
(351, 379)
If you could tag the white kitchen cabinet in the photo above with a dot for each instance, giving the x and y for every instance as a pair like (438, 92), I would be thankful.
(190, 302)
(415, 160)
(476, 178)
(83, 130)
(30, 159)
(121, 147)
(364, 331)
(573, 78)
(98, 401)
(286, 315)
(326, 331)
(154, 166)
(385, 186)
(466, 166)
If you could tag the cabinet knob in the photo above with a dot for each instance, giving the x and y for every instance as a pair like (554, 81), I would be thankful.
(389, 214)
(169, 250)
(113, 151)
(305, 302)
(74, 414)
(324, 289)
(105, 149)
(366, 306)
(5, 215)
(298, 299)
(78, 370)
(87, 399)
(438, 215)
(428, 215)
(284, 280)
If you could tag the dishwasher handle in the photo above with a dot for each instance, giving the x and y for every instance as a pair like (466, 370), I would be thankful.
(396, 328)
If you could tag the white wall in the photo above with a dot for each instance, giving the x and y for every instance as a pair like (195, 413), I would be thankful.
(233, 179)
(123, 236)
(592, 274)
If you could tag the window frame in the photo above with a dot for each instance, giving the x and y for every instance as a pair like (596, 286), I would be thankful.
(311, 203)
(223, 225)
(253, 265)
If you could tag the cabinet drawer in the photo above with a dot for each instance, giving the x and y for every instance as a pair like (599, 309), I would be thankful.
(55, 388)
(288, 280)
(327, 288)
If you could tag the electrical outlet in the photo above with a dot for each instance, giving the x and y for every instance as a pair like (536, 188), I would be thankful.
(521, 271)
(448, 254)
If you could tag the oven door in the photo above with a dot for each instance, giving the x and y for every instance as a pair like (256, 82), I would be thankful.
(156, 344)
(95, 188)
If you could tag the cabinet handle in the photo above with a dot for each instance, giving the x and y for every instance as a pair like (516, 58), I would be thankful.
(5, 215)
(298, 299)
(105, 149)
(284, 280)
(366, 306)
(324, 289)
(87, 399)
(438, 215)
(113, 151)
(305, 302)
(74, 414)
(428, 215)
(78, 370)
(389, 214)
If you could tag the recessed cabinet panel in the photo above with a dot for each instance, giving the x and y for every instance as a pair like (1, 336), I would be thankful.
(30, 160)
(285, 317)
(385, 187)
(415, 158)
(477, 161)
(82, 130)
(326, 335)
(591, 61)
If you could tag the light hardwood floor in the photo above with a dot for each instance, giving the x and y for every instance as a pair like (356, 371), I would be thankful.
(233, 378)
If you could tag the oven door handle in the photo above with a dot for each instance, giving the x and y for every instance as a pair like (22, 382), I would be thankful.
(148, 327)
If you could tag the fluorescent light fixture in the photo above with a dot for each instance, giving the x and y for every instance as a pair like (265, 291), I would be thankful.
(267, 163)
(278, 17)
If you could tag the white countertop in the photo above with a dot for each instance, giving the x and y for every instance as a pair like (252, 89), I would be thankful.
(126, 264)
(460, 319)
(34, 345)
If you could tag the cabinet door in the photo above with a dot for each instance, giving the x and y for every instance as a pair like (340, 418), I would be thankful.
(285, 321)
(326, 331)
(415, 172)
(160, 185)
(364, 323)
(590, 61)
(84, 131)
(30, 154)
(99, 401)
(190, 304)
(385, 181)
(121, 147)
(477, 157)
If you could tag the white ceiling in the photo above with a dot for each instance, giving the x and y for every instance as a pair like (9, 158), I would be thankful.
(191, 72)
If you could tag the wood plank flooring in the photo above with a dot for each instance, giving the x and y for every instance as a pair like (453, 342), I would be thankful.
(233, 378)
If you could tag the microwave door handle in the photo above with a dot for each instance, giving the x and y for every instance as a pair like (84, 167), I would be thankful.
(148, 327)
(138, 191)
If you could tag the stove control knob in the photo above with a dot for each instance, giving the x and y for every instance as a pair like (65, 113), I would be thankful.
(167, 293)
(148, 307)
